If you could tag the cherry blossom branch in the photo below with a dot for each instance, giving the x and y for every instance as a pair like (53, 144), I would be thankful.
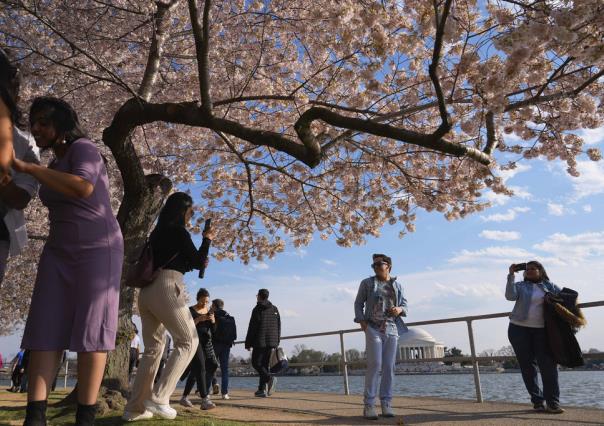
(491, 136)
(201, 34)
(160, 33)
(554, 74)
(433, 69)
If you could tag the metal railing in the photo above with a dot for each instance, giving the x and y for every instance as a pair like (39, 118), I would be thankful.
(473, 358)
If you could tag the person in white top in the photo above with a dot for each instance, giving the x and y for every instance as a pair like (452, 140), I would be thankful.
(527, 334)
(135, 349)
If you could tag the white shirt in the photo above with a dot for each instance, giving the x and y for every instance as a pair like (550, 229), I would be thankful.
(25, 150)
(535, 317)
(135, 342)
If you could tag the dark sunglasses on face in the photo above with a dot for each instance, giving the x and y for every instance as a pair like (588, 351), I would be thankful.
(377, 264)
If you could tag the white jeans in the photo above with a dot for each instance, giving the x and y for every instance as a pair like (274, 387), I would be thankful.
(381, 355)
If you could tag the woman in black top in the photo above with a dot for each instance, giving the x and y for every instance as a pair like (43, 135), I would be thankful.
(204, 364)
(162, 306)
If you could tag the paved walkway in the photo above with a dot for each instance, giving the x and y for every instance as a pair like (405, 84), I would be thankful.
(284, 408)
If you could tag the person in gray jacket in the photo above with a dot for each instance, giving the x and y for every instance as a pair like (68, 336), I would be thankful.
(527, 335)
(379, 307)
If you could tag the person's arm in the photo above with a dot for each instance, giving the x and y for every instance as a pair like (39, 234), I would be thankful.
(279, 329)
(196, 257)
(511, 292)
(22, 187)
(6, 142)
(251, 330)
(401, 304)
(64, 183)
(359, 304)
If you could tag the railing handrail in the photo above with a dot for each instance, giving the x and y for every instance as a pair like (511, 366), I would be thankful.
(425, 322)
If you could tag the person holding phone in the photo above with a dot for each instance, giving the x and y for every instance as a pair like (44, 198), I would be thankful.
(527, 335)
(379, 307)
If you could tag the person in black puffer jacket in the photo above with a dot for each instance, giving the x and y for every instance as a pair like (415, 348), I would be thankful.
(263, 335)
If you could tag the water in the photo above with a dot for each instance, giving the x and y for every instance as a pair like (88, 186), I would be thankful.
(577, 388)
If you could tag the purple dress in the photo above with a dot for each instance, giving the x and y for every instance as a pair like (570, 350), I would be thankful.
(76, 295)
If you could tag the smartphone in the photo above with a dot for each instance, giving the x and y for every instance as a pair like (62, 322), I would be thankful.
(519, 267)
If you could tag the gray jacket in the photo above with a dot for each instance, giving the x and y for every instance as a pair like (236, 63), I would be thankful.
(367, 297)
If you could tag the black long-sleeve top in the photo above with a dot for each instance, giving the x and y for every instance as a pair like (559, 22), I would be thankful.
(169, 240)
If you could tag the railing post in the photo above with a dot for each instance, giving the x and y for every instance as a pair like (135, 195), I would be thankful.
(344, 365)
(474, 363)
(66, 369)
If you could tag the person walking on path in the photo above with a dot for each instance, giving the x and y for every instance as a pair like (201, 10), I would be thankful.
(162, 306)
(527, 335)
(135, 350)
(17, 371)
(379, 307)
(223, 338)
(17, 190)
(204, 363)
(263, 335)
(75, 300)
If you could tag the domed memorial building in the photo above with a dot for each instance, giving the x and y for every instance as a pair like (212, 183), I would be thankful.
(419, 344)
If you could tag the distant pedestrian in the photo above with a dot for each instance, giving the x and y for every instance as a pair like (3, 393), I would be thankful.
(17, 371)
(527, 335)
(135, 350)
(263, 335)
(162, 306)
(75, 300)
(204, 363)
(379, 307)
(223, 339)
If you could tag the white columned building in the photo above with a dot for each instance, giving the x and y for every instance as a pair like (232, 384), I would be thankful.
(419, 344)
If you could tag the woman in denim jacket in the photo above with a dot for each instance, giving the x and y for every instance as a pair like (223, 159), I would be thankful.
(379, 308)
(526, 333)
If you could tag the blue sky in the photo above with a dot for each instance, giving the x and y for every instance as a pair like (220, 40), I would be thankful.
(447, 268)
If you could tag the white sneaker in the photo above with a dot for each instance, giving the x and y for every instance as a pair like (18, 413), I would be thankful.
(225, 396)
(133, 417)
(162, 410)
(207, 404)
(387, 410)
(369, 412)
(185, 402)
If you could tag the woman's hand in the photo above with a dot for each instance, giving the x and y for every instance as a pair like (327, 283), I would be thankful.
(512, 269)
(395, 311)
(363, 325)
(209, 234)
(211, 318)
(18, 165)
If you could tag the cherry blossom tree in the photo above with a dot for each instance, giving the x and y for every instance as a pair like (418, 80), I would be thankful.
(293, 119)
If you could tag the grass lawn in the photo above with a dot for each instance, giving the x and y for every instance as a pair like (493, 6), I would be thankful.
(12, 412)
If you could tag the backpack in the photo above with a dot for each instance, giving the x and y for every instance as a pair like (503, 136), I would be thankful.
(141, 272)
(226, 330)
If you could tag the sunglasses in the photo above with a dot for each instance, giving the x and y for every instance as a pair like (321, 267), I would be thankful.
(376, 264)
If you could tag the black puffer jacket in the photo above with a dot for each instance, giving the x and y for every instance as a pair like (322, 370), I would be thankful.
(264, 330)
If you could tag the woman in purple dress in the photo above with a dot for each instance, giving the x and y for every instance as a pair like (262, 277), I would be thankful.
(74, 305)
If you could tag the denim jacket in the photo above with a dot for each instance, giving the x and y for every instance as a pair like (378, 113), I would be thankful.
(522, 292)
(367, 297)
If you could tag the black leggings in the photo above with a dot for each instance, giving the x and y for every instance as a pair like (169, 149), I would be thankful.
(202, 369)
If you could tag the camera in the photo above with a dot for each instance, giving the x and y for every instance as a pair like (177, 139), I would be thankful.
(519, 267)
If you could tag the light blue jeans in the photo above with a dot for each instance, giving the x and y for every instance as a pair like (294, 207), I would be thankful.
(381, 355)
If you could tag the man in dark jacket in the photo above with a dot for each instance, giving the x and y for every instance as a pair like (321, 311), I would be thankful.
(263, 335)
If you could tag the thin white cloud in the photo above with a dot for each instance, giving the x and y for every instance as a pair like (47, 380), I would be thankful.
(590, 181)
(573, 249)
(587, 208)
(500, 235)
(592, 136)
(289, 313)
(465, 290)
(510, 215)
(260, 266)
(340, 293)
(556, 209)
(496, 254)
(329, 262)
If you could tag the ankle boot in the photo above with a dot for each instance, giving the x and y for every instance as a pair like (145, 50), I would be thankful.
(35, 413)
(85, 415)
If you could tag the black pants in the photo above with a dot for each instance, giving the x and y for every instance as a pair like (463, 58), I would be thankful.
(530, 346)
(203, 367)
(132, 361)
(260, 360)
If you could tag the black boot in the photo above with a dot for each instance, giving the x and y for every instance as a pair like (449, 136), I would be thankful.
(85, 415)
(35, 413)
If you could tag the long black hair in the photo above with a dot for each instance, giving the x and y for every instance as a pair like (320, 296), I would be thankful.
(61, 114)
(542, 274)
(173, 212)
(9, 87)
